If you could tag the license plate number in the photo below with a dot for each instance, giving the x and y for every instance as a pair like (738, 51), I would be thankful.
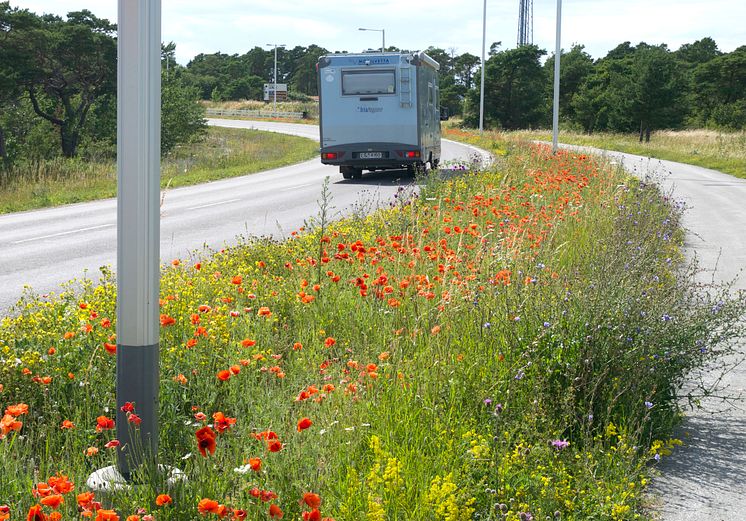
(370, 155)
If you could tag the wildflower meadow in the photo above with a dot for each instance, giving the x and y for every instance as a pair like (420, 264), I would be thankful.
(505, 344)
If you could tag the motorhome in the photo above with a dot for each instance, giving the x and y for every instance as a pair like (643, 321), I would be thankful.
(379, 111)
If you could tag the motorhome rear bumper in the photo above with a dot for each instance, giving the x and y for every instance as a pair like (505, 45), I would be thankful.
(373, 155)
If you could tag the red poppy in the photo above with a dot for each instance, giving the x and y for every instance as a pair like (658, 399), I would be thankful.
(84, 499)
(255, 464)
(163, 499)
(110, 348)
(206, 440)
(329, 342)
(304, 423)
(222, 422)
(207, 505)
(53, 501)
(224, 375)
(17, 410)
(104, 423)
(61, 484)
(237, 280)
(312, 500)
(35, 513)
(167, 320)
(275, 512)
(313, 515)
(106, 515)
(274, 445)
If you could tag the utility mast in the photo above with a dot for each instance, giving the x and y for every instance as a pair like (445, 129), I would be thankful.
(525, 22)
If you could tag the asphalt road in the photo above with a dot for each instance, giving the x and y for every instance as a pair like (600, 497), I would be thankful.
(704, 479)
(44, 248)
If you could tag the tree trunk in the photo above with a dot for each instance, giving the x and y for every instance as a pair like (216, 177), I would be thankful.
(3, 152)
(69, 139)
(647, 135)
(640, 131)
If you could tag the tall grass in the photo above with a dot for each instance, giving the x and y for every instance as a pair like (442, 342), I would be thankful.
(507, 345)
(723, 151)
(311, 108)
(223, 153)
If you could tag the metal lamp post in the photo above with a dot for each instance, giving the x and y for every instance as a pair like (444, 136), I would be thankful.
(274, 103)
(555, 107)
(383, 37)
(481, 87)
(138, 227)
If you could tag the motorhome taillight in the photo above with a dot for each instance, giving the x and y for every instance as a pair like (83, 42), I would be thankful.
(329, 155)
(413, 153)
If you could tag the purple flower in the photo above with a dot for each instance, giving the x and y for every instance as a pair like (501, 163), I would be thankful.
(498, 408)
(648, 405)
(487, 401)
(520, 375)
(560, 444)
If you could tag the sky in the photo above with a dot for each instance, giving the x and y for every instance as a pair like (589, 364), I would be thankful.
(236, 26)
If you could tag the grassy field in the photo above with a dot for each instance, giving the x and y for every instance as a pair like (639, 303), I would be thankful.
(223, 153)
(311, 108)
(723, 151)
(506, 345)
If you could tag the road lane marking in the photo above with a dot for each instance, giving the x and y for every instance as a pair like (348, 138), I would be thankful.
(60, 234)
(213, 204)
(296, 187)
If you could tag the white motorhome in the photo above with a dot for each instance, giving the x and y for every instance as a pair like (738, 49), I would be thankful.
(379, 111)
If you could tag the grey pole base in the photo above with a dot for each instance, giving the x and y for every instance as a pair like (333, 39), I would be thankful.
(137, 383)
(109, 479)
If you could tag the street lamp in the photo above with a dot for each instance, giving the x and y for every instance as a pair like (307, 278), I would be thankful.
(274, 104)
(481, 87)
(383, 36)
(555, 105)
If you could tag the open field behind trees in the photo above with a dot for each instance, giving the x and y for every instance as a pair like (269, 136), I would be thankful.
(507, 345)
(311, 108)
(223, 153)
(723, 151)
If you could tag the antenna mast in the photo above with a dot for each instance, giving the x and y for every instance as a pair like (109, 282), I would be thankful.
(525, 22)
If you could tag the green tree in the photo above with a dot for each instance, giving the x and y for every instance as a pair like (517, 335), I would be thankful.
(515, 86)
(720, 90)
(464, 67)
(657, 90)
(697, 53)
(575, 67)
(71, 64)
(182, 116)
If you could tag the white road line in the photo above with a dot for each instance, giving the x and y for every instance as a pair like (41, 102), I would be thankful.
(213, 204)
(65, 233)
(296, 187)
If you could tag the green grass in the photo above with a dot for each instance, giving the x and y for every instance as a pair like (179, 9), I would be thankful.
(722, 151)
(508, 343)
(222, 154)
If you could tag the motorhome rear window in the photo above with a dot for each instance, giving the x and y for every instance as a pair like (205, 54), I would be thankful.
(368, 82)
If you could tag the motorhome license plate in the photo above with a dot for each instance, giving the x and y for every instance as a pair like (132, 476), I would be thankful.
(370, 155)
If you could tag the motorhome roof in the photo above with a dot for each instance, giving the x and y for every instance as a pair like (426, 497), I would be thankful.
(377, 58)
